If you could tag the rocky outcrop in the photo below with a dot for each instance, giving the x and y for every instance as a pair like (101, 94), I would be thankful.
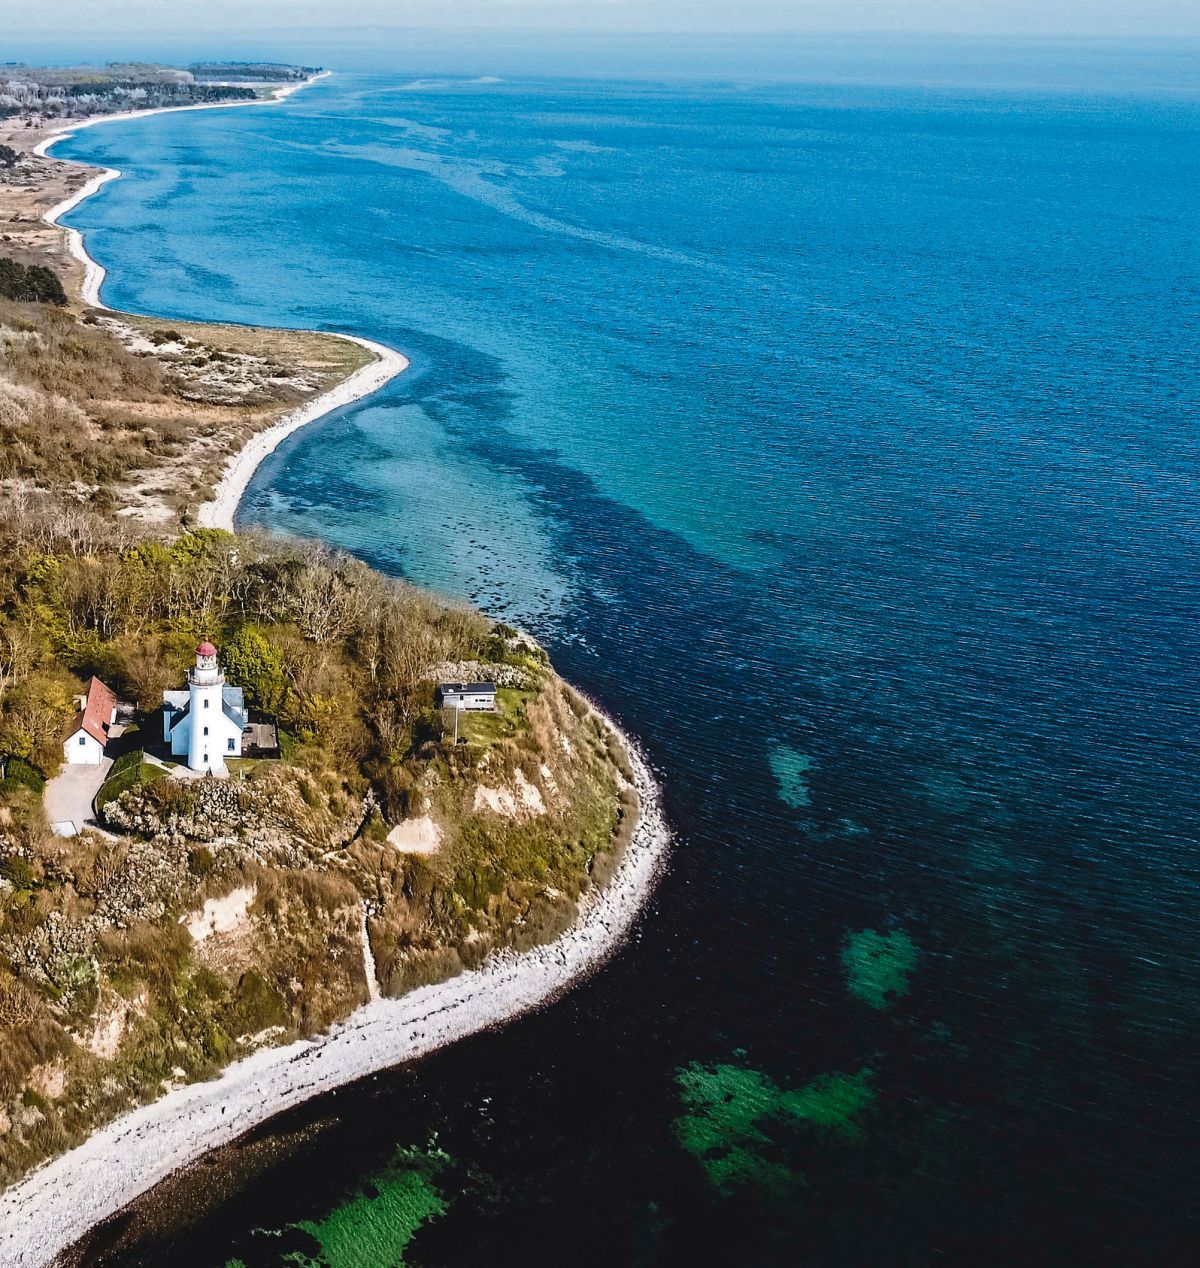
(480, 671)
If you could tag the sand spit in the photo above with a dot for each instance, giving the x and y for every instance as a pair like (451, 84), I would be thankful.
(56, 1205)
(388, 363)
(219, 513)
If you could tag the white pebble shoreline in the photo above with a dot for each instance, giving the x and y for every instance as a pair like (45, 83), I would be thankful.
(59, 1202)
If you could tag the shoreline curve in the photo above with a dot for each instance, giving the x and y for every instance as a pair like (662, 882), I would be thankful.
(240, 469)
(87, 1185)
(73, 1193)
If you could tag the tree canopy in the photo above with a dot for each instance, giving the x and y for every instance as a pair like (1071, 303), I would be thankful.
(33, 283)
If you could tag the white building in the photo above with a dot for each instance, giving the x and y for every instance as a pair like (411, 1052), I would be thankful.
(468, 695)
(204, 722)
(84, 745)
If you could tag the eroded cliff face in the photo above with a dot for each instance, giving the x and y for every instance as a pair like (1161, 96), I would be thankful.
(213, 917)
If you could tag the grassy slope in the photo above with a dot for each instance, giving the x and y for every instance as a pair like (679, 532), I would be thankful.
(106, 998)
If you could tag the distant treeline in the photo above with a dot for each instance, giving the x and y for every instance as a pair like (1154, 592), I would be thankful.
(55, 100)
(53, 91)
(32, 283)
(267, 71)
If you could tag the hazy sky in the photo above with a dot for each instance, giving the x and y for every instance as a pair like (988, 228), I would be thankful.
(1011, 17)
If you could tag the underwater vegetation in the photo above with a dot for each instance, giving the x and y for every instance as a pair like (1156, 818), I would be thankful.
(878, 966)
(790, 768)
(737, 1121)
(372, 1227)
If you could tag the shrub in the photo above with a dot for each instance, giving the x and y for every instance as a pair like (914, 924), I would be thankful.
(257, 1007)
(375, 829)
(33, 283)
(18, 873)
(21, 775)
(201, 861)
(127, 761)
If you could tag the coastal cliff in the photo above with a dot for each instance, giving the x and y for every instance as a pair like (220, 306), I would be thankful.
(198, 922)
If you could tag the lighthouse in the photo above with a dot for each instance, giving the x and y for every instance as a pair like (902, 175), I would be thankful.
(206, 721)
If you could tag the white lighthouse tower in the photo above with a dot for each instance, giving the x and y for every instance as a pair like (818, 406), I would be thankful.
(205, 683)
(205, 722)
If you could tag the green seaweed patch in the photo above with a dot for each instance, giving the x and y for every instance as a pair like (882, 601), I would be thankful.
(737, 1119)
(834, 1102)
(945, 790)
(372, 1227)
(878, 966)
(790, 768)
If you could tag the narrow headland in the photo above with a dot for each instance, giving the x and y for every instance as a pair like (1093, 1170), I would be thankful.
(370, 875)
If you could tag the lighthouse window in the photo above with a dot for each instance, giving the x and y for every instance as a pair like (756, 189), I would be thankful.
(231, 746)
(206, 703)
(206, 730)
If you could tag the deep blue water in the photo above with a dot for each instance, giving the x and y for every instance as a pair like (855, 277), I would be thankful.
(848, 428)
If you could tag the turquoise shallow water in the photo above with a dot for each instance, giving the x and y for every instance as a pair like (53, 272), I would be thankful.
(843, 442)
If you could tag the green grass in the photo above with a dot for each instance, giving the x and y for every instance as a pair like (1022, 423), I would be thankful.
(238, 765)
(131, 777)
(127, 761)
(487, 729)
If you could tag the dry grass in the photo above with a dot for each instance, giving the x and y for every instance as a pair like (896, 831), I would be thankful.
(141, 432)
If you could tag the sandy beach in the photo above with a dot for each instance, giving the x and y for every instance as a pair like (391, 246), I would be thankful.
(220, 511)
(388, 363)
(57, 1204)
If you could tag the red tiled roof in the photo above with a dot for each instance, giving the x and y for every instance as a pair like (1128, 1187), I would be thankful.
(97, 712)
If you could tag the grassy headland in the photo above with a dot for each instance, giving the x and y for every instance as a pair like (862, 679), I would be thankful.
(209, 918)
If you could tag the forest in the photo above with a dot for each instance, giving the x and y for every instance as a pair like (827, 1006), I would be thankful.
(64, 91)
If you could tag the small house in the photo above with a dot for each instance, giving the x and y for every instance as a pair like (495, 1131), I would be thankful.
(476, 696)
(85, 742)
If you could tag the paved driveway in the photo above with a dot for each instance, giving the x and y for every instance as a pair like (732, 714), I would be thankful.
(69, 796)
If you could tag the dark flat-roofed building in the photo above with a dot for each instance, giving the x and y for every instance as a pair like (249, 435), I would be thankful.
(478, 696)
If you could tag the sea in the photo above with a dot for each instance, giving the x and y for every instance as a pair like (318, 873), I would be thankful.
(841, 438)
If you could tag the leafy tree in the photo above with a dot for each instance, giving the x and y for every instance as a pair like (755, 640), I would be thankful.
(32, 284)
(8, 156)
(250, 662)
